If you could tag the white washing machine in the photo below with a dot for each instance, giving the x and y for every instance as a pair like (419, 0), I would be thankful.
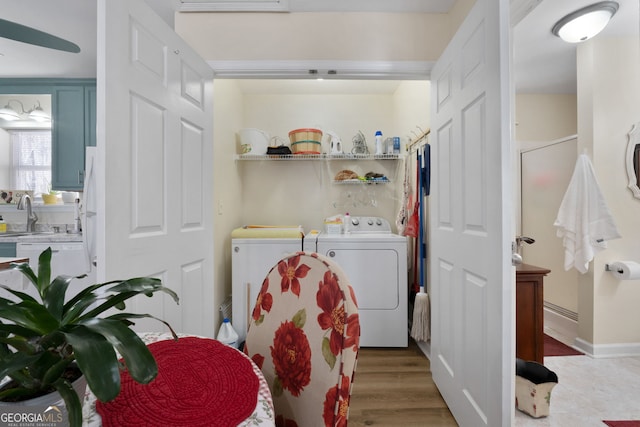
(253, 253)
(375, 260)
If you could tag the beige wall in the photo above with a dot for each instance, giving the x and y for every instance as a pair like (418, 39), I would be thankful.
(545, 117)
(608, 91)
(315, 36)
(227, 118)
(302, 192)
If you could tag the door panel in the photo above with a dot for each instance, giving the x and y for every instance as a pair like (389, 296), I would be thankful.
(154, 157)
(472, 281)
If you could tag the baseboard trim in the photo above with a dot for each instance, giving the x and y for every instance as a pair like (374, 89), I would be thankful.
(566, 327)
(608, 350)
(425, 347)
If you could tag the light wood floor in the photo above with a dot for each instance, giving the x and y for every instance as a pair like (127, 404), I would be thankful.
(393, 387)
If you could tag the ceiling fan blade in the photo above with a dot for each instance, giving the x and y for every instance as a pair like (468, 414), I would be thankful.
(22, 33)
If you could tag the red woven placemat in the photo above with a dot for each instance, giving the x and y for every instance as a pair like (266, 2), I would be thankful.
(200, 382)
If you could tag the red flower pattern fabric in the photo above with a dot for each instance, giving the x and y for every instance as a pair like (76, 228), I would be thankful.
(306, 340)
(337, 396)
(264, 302)
(331, 300)
(281, 421)
(291, 356)
(291, 274)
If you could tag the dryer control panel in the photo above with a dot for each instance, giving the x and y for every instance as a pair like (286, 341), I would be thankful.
(369, 225)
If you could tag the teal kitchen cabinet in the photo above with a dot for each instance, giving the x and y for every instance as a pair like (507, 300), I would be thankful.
(8, 249)
(73, 111)
(74, 128)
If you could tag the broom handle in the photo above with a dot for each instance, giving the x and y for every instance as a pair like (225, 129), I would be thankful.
(420, 232)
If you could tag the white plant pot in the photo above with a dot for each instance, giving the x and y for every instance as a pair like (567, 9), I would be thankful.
(52, 399)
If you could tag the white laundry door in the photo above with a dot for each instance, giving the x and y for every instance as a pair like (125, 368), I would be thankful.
(155, 156)
(472, 348)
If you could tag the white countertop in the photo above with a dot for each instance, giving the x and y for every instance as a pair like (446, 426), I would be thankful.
(5, 262)
(42, 237)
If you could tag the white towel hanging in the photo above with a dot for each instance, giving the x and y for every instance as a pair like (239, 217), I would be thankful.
(584, 221)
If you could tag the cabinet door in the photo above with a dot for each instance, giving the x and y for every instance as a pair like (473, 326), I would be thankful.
(90, 116)
(67, 138)
(8, 249)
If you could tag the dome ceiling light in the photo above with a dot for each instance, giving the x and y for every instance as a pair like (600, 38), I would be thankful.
(585, 23)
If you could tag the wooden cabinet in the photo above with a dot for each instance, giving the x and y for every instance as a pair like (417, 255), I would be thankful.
(529, 312)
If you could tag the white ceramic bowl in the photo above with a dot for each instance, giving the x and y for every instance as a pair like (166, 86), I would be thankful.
(69, 196)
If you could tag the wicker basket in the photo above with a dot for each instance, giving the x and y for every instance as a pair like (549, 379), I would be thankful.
(305, 147)
(306, 134)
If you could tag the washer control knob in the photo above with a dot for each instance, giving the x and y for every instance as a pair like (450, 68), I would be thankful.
(378, 221)
(370, 221)
(332, 254)
(355, 221)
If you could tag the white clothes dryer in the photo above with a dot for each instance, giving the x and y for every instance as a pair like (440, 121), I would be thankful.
(375, 261)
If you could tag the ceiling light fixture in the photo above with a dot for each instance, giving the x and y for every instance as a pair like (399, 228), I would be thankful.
(585, 23)
(36, 113)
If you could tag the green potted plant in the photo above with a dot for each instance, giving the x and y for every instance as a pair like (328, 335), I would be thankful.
(41, 339)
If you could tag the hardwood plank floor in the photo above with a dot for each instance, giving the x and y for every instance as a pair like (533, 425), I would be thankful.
(393, 387)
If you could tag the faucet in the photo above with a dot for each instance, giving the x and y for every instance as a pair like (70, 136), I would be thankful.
(523, 239)
(25, 200)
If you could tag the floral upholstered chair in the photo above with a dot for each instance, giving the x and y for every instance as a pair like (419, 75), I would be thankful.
(305, 334)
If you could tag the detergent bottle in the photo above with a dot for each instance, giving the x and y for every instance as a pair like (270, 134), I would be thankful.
(227, 335)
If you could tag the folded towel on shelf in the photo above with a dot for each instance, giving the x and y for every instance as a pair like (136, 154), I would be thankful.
(584, 221)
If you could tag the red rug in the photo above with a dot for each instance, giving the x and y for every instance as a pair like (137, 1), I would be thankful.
(553, 347)
(629, 423)
(200, 382)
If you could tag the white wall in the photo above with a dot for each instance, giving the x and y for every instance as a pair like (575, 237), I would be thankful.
(608, 106)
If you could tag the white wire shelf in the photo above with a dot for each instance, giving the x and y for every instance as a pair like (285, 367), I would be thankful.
(295, 157)
(360, 182)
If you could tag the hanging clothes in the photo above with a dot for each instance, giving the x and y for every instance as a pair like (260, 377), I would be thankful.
(584, 221)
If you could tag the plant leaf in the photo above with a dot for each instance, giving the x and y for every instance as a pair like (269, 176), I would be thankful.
(21, 295)
(26, 270)
(44, 271)
(128, 289)
(15, 362)
(71, 401)
(97, 360)
(139, 360)
(124, 317)
(54, 297)
(29, 314)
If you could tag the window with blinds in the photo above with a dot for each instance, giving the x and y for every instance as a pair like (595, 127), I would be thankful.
(31, 160)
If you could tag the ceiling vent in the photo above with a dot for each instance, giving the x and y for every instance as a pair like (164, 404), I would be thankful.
(234, 6)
